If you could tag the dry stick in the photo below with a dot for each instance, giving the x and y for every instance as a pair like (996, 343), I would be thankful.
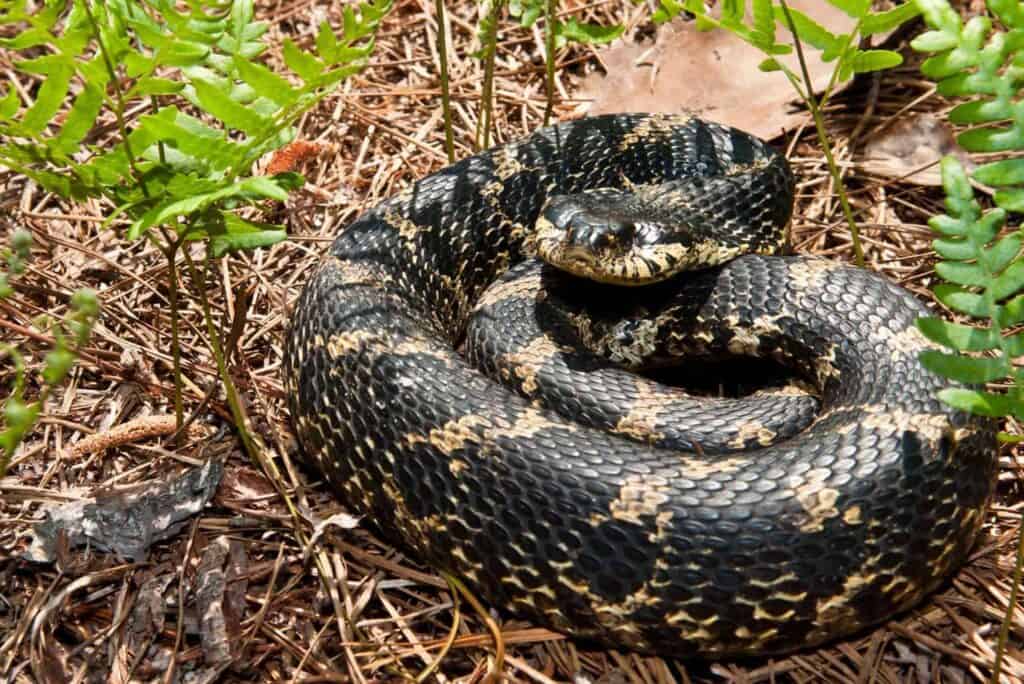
(125, 433)
(172, 666)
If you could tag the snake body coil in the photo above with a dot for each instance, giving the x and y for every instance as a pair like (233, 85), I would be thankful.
(763, 549)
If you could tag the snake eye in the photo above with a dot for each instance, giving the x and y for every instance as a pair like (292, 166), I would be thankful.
(614, 232)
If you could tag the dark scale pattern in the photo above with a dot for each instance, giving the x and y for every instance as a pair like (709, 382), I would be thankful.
(590, 389)
(673, 552)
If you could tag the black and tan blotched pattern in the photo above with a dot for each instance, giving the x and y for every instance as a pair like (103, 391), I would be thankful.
(599, 531)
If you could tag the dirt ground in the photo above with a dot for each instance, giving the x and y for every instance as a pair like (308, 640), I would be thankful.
(304, 591)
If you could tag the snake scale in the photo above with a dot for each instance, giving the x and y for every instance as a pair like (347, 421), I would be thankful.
(742, 532)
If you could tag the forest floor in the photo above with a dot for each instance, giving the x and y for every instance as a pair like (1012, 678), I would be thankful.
(91, 616)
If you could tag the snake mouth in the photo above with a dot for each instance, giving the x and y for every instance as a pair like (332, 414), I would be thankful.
(601, 236)
(575, 259)
(582, 250)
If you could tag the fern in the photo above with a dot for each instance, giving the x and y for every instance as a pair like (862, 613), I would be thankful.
(983, 274)
(977, 61)
(981, 60)
(118, 55)
(981, 262)
(184, 167)
(70, 335)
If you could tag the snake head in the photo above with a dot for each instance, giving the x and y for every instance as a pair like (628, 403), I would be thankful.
(603, 235)
(587, 231)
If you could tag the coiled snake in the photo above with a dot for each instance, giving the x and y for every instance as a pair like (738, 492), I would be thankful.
(678, 531)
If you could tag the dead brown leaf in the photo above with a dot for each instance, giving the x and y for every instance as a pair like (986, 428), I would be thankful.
(911, 149)
(713, 74)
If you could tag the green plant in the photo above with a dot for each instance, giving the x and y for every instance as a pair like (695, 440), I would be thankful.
(982, 265)
(446, 98)
(557, 34)
(984, 276)
(757, 28)
(173, 177)
(490, 13)
(70, 334)
(981, 60)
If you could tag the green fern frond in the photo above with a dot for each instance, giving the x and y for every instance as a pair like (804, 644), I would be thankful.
(115, 55)
(984, 279)
(982, 266)
(188, 172)
(981, 60)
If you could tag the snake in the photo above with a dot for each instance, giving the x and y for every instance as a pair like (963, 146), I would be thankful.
(467, 367)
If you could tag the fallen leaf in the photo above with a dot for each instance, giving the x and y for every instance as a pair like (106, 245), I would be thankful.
(292, 155)
(713, 74)
(911, 150)
(126, 523)
(244, 486)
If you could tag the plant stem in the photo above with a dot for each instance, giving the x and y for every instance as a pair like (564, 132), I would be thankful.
(171, 254)
(452, 633)
(254, 447)
(549, 60)
(492, 626)
(490, 41)
(160, 143)
(230, 391)
(819, 124)
(446, 102)
(1004, 629)
(119, 110)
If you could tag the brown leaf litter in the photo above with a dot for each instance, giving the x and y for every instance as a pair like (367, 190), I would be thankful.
(255, 589)
(686, 70)
(911, 150)
(126, 523)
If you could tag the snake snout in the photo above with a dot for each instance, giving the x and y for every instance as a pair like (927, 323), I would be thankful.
(588, 231)
(596, 235)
